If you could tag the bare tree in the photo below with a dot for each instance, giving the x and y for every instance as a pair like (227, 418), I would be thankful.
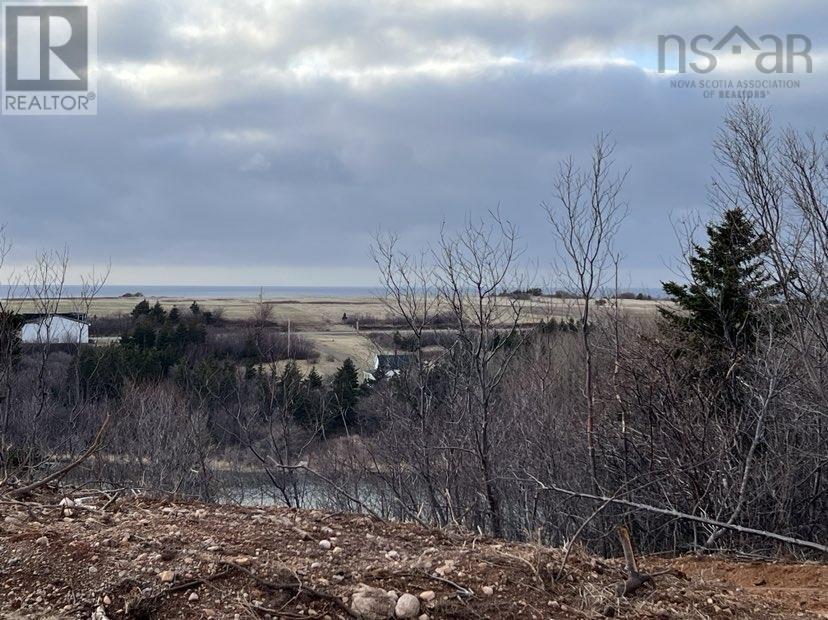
(780, 178)
(585, 217)
(9, 309)
(410, 294)
(473, 267)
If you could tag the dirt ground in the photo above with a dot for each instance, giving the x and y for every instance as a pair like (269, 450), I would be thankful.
(143, 558)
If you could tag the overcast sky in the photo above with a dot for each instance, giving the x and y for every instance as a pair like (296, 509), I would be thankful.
(263, 142)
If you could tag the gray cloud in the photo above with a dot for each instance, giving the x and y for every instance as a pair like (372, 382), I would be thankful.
(281, 135)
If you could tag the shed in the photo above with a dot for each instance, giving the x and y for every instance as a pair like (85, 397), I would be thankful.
(62, 328)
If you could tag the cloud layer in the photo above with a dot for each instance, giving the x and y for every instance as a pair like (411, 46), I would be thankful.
(262, 142)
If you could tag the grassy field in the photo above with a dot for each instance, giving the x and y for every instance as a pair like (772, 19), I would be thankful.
(320, 319)
(315, 313)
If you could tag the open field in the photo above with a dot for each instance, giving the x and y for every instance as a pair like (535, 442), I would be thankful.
(320, 319)
(307, 314)
(315, 313)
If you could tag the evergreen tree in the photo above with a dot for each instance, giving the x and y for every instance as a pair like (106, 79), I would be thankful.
(175, 314)
(165, 337)
(344, 394)
(291, 378)
(195, 308)
(314, 379)
(142, 308)
(292, 392)
(717, 310)
(143, 336)
(158, 313)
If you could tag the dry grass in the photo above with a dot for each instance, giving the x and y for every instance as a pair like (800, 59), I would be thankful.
(315, 313)
(319, 319)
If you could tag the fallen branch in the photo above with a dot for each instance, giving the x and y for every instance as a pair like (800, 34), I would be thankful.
(195, 583)
(111, 501)
(461, 590)
(145, 606)
(572, 542)
(295, 586)
(96, 444)
(687, 517)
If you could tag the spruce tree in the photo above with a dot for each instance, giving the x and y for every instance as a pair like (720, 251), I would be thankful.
(717, 310)
(345, 392)
(158, 313)
(142, 308)
(314, 379)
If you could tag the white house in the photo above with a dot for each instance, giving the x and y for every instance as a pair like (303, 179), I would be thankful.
(55, 329)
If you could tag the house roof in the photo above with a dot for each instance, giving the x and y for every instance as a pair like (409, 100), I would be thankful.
(36, 317)
(394, 361)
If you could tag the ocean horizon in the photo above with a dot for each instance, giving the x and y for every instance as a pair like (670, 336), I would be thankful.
(206, 292)
(174, 291)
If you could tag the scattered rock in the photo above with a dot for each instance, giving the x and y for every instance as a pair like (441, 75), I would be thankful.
(446, 569)
(42, 553)
(100, 614)
(408, 606)
(372, 603)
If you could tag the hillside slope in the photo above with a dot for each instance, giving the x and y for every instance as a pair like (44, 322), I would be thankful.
(150, 559)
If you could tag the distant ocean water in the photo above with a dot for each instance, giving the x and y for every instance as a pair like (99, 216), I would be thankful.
(213, 292)
(237, 292)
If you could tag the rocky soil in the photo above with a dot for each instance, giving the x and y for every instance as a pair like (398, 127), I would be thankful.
(143, 558)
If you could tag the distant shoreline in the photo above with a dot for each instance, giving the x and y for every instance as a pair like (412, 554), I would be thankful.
(116, 291)
(230, 293)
